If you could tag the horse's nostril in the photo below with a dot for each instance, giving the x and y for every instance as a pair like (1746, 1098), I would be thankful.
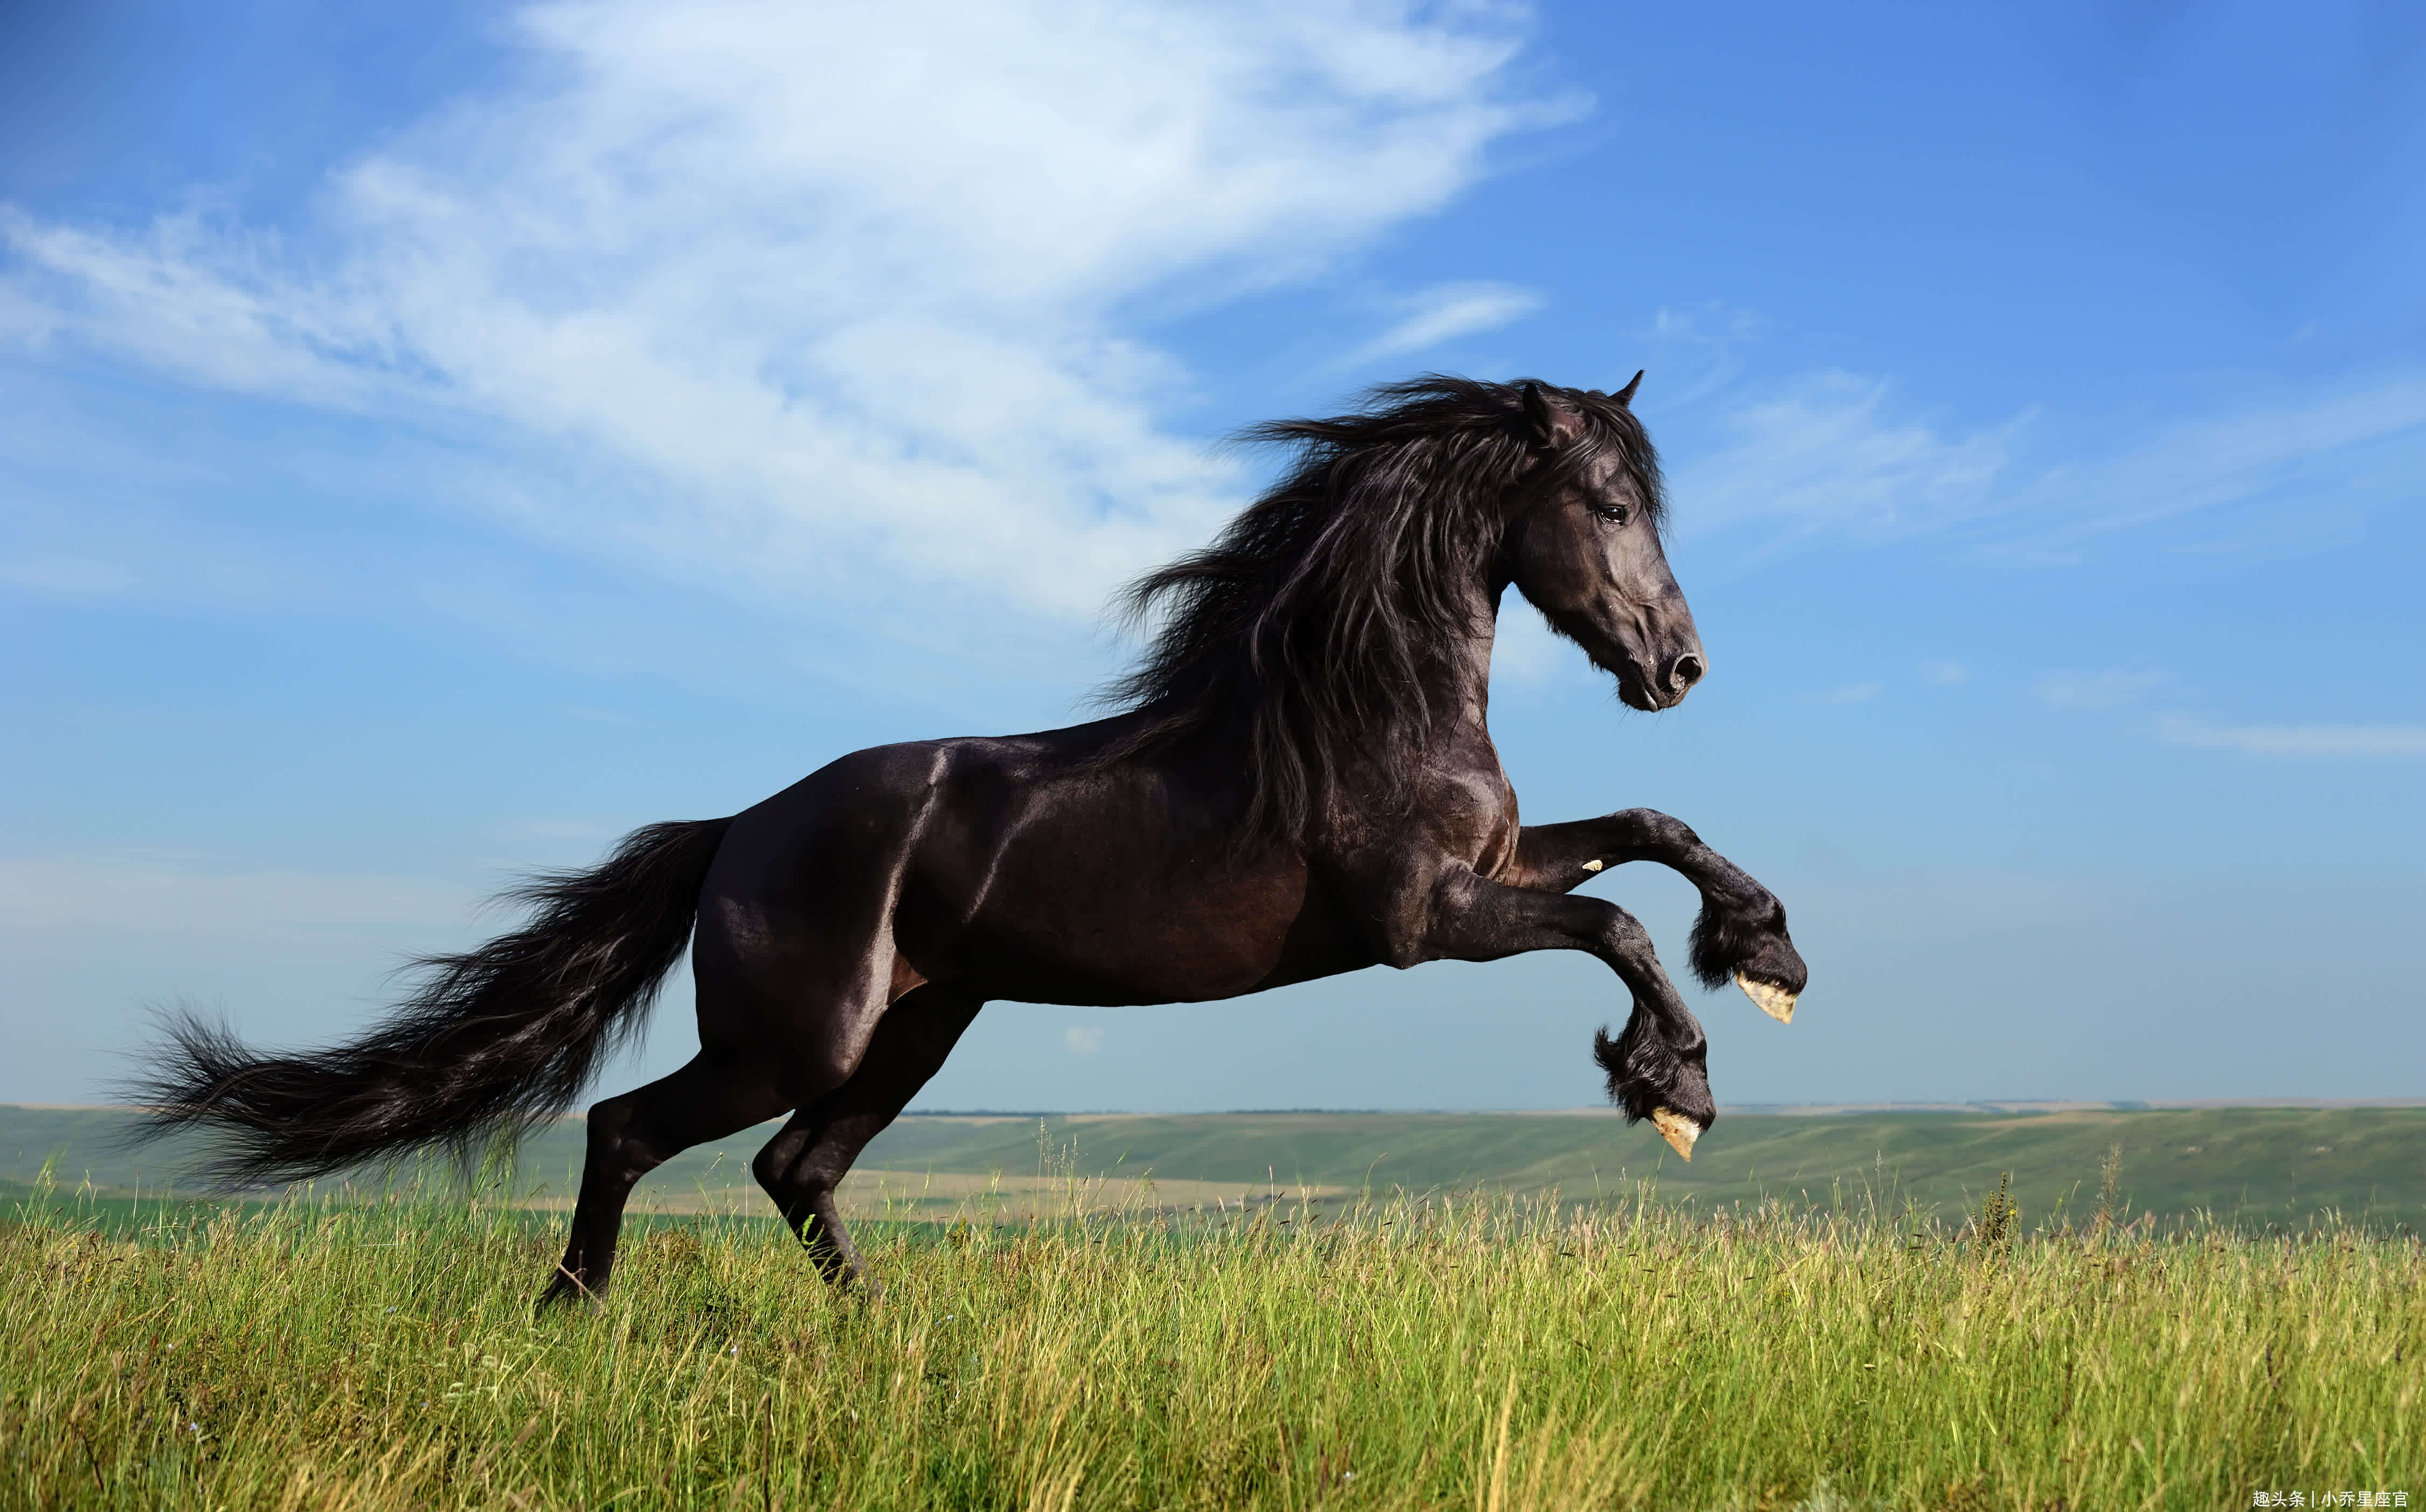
(1686, 672)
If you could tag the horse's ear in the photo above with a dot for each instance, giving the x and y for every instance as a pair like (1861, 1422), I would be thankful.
(1625, 394)
(1538, 416)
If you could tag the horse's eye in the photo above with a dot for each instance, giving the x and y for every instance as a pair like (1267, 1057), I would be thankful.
(1614, 513)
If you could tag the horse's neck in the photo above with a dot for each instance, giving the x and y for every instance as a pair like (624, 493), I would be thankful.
(1458, 690)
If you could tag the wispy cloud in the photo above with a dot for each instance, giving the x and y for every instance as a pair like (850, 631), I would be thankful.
(1696, 351)
(2110, 689)
(1942, 672)
(52, 892)
(596, 716)
(825, 287)
(1083, 1041)
(2296, 740)
(1446, 311)
(1837, 455)
(561, 829)
(2118, 689)
(2203, 464)
(66, 575)
(1828, 456)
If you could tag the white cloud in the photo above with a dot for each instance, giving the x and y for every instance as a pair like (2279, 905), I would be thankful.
(2203, 464)
(1834, 455)
(1083, 1041)
(1446, 311)
(1944, 672)
(1696, 352)
(1826, 456)
(562, 830)
(66, 575)
(53, 892)
(817, 286)
(1851, 693)
(2095, 690)
(2297, 740)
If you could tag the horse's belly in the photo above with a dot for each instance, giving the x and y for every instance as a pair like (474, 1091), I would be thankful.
(1113, 940)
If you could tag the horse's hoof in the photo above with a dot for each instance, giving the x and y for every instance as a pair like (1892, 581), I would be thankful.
(1775, 1001)
(562, 1291)
(1678, 1130)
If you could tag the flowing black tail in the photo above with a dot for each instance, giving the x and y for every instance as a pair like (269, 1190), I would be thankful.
(494, 1040)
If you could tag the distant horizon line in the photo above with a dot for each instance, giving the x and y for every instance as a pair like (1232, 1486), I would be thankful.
(2006, 1105)
(1737, 1109)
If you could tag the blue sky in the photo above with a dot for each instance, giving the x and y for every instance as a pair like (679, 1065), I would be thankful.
(435, 440)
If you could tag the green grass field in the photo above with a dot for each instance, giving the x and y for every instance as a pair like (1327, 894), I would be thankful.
(1494, 1354)
(1279, 1310)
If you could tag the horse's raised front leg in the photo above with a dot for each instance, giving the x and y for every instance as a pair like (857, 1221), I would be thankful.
(1742, 931)
(1657, 1069)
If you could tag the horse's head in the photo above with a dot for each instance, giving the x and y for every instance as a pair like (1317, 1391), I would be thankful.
(1583, 546)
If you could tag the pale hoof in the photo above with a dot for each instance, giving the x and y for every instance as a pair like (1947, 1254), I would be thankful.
(1775, 1001)
(1678, 1130)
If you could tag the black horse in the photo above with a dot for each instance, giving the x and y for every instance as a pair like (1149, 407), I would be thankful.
(1300, 783)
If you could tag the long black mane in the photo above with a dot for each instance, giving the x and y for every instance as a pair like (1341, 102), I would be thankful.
(1311, 624)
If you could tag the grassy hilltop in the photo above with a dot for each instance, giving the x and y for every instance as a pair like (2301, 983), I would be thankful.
(2254, 1166)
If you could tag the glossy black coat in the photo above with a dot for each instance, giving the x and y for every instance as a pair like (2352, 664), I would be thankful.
(1304, 785)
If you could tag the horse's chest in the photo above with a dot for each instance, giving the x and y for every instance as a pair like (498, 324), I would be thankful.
(1473, 817)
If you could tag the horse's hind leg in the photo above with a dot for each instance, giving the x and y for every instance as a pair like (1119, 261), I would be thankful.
(801, 1166)
(631, 1136)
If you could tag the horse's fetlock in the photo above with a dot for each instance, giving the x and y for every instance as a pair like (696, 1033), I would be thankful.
(1640, 1066)
(1727, 939)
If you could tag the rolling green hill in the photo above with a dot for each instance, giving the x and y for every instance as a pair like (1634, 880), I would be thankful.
(2255, 1166)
